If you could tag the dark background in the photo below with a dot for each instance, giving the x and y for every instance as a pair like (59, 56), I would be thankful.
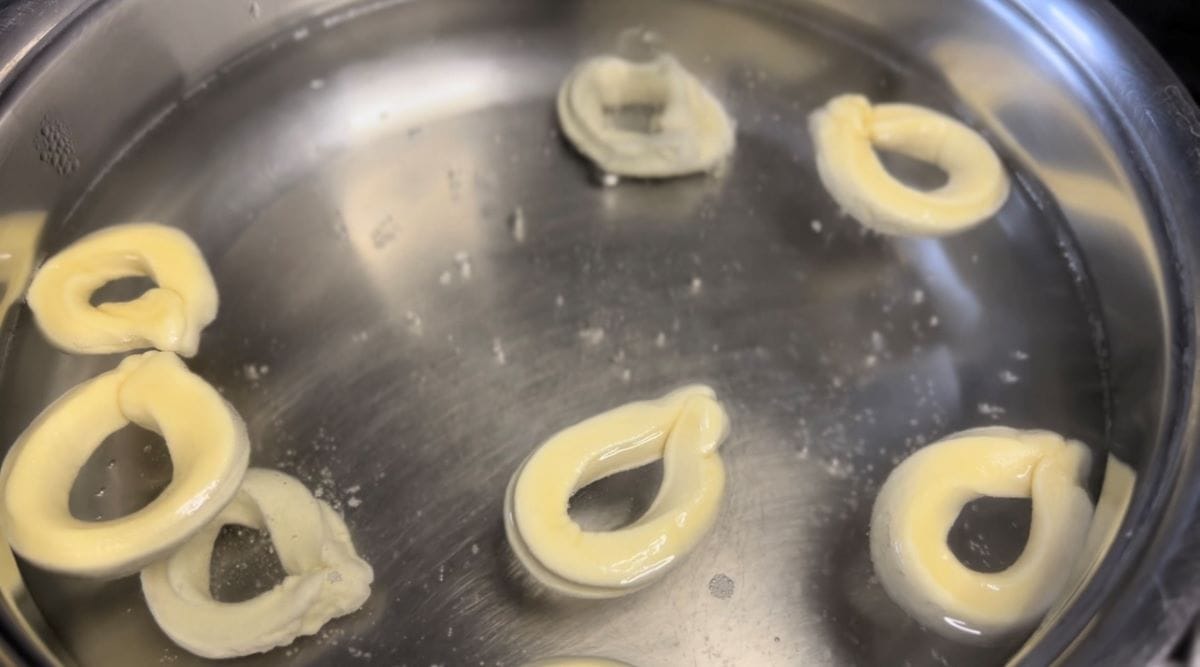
(1173, 27)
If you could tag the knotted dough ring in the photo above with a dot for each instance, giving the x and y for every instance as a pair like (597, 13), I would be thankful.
(846, 132)
(325, 577)
(167, 317)
(688, 130)
(922, 498)
(204, 435)
(684, 428)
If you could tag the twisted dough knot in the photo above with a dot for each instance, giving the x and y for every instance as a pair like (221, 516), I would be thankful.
(325, 579)
(846, 132)
(922, 498)
(204, 435)
(168, 317)
(684, 428)
(687, 129)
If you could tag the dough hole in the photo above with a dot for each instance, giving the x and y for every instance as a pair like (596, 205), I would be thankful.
(639, 115)
(643, 117)
(121, 290)
(244, 564)
(613, 502)
(127, 471)
(991, 533)
(914, 173)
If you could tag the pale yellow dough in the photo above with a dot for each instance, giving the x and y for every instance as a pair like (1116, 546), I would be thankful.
(325, 576)
(848, 129)
(19, 233)
(690, 130)
(684, 428)
(204, 435)
(1115, 494)
(922, 498)
(167, 317)
(1111, 506)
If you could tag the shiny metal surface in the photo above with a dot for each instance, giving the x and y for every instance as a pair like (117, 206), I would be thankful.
(393, 337)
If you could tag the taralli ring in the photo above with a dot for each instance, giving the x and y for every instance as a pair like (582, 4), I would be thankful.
(846, 132)
(325, 577)
(168, 317)
(686, 130)
(684, 428)
(204, 435)
(922, 498)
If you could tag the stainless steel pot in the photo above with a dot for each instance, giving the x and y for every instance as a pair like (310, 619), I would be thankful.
(353, 171)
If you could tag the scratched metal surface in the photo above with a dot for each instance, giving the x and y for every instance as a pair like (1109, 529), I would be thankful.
(421, 281)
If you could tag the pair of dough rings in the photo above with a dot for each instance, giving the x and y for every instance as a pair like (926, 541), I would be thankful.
(168, 317)
(922, 498)
(209, 451)
(684, 428)
(325, 577)
(848, 129)
(687, 129)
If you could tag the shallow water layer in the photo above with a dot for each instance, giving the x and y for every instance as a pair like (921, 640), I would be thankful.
(421, 282)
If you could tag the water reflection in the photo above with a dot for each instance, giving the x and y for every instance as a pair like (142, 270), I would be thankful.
(1119, 481)
(19, 233)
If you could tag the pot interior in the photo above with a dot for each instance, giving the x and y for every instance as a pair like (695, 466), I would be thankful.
(394, 338)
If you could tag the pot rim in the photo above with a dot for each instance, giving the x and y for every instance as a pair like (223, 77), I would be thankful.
(1149, 568)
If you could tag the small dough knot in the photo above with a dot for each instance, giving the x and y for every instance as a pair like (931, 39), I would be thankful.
(649, 119)
(922, 498)
(168, 317)
(325, 576)
(846, 133)
(685, 429)
(209, 452)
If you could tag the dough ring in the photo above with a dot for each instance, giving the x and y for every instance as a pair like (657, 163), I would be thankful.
(19, 234)
(167, 317)
(684, 428)
(687, 129)
(922, 498)
(325, 577)
(846, 132)
(209, 450)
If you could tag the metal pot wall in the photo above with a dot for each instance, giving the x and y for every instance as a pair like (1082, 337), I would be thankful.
(351, 170)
